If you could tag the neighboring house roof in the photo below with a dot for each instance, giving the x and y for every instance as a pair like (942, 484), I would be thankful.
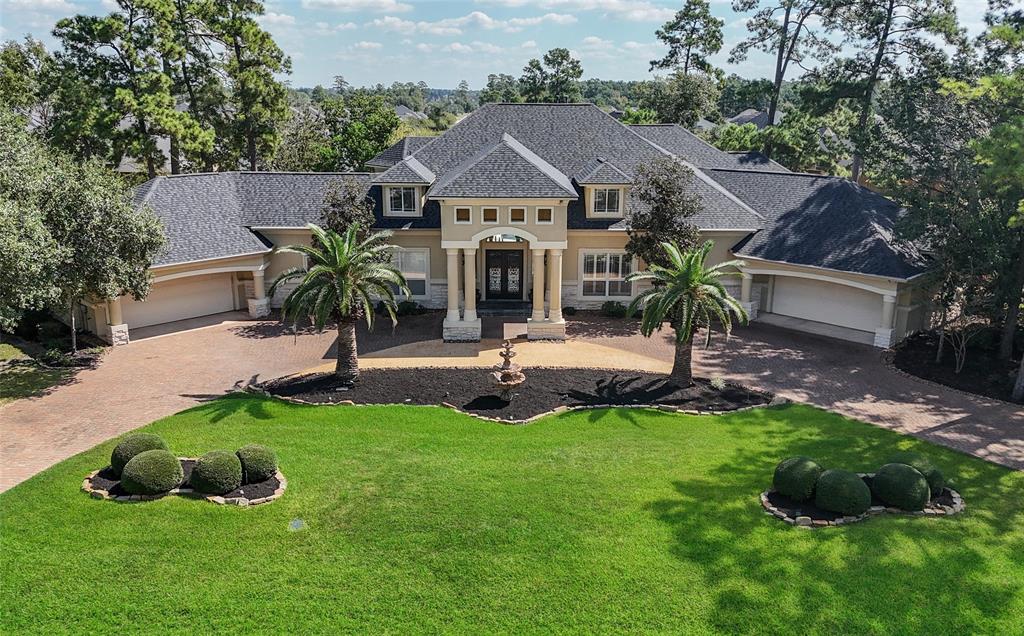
(703, 124)
(753, 116)
(822, 221)
(400, 150)
(404, 112)
(754, 160)
(408, 170)
(504, 169)
(683, 143)
(602, 171)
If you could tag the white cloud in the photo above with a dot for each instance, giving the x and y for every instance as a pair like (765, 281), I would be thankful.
(458, 47)
(324, 28)
(594, 42)
(473, 20)
(529, 44)
(424, 48)
(632, 10)
(486, 47)
(367, 46)
(353, 6)
(55, 6)
(276, 18)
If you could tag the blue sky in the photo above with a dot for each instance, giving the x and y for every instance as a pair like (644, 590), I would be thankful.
(442, 42)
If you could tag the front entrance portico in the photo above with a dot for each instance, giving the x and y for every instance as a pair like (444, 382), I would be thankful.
(504, 278)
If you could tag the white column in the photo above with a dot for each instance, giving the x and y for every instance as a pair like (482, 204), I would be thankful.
(116, 330)
(746, 283)
(885, 335)
(258, 285)
(470, 312)
(260, 305)
(114, 316)
(555, 285)
(888, 311)
(453, 284)
(538, 286)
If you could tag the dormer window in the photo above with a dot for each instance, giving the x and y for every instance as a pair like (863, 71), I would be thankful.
(607, 202)
(402, 201)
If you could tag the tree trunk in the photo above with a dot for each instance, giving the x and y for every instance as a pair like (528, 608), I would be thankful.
(1018, 386)
(347, 367)
(74, 335)
(780, 58)
(682, 365)
(942, 336)
(1012, 308)
(869, 90)
(175, 156)
(251, 141)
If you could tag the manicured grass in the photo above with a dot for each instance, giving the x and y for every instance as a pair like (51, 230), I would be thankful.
(25, 380)
(420, 519)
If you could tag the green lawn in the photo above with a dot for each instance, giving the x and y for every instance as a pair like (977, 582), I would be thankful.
(420, 519)
(25, 380)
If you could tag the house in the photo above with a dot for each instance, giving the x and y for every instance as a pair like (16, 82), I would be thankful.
(407, 114)
(528, 205)
(753, 116)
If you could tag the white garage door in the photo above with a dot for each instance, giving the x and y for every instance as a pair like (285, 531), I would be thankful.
(179, 299)
(827, 302)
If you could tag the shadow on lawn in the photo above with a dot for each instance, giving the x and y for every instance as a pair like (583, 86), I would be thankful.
(231, 404)
(908, 574)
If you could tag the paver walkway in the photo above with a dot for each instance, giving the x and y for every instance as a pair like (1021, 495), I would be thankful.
(156, 377)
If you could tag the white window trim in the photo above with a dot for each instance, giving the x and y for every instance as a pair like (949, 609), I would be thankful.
(426, 273)
(526, 215)
(582, 275)
(455, 215)
(402, 213)
(592, 199)
(536, 215)
(497, 215)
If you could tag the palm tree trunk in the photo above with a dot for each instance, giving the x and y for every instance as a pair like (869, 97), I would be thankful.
(682, 365)
(347, 367)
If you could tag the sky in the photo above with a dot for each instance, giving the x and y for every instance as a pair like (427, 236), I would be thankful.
(442, 42)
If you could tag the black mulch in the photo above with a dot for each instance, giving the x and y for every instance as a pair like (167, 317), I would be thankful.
(544, 390)
(796, 509)
(983, 373)
(105, 480)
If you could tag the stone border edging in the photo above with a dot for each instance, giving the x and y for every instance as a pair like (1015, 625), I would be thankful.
(808, 523)
(774, 401)
(889, 362)
(98, 493)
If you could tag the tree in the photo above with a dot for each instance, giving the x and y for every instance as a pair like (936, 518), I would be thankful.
(23, 67)
(802, 142)
(359, 126)
(639, 116)
(881, 32)
(738, 94)
(680, 99)
(534, 81)
(346, 204)
(563, 76)
(500, 88)
(782, 28)
(79, 226)
(667, 206)
(344, 276)
(736, 137)
(462, 97)
(691, 36)
(28, 262)
(688, 295)
(258, 99)
(303, 137)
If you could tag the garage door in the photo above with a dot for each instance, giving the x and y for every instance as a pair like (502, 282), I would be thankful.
(179, 299)
(827, 302)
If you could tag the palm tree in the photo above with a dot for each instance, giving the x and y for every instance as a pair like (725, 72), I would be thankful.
(688, 295)
(344, 275)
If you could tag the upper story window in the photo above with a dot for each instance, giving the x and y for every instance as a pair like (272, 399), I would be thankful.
(463, 215)
(607, 201)
(402, 201)
(517, 215)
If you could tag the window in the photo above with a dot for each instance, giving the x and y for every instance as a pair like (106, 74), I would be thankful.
(604, 274)
(489, 215)
(402, 201)
(517, 215)
(545, 215)
(607, 201)
(463, 215)
(414, 264)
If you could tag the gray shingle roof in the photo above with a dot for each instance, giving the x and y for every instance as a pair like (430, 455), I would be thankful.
(823, 222)
(408, 170)
(504, 169)
(400, 150)
(688, 146)
(601, 171)
(753, 116)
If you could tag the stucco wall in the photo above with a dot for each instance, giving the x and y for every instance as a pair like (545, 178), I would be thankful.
(453, 231)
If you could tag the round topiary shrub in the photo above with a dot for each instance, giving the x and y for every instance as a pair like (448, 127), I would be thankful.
(795, 477)
(258, 463)
(131, 446)
(843, 492)
(936, 482)
(216, 473)
(901, 486)
(152, 472)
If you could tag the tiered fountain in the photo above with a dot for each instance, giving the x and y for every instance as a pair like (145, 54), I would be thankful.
(508, 375)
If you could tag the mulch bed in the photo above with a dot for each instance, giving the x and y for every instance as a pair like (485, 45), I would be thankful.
(104, 481)
(983, 373)
(806, 514)
(544, 390)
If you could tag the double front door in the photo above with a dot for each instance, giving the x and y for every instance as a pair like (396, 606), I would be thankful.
(504, 274)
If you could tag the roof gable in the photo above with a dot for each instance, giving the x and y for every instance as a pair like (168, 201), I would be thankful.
(409, 170)
(398, 151)
(602, 171)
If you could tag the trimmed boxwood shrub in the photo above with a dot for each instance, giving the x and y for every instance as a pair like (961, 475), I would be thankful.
(795, 477)
(936, 482)
(613, 309)
(216, 473)
(152, 472)
(901, 486)
(131, 446)
(258, 463)
(843, 492)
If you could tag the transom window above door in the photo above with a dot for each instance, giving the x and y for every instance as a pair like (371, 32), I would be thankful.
(604, 274)
(607, 201)
(402, 201)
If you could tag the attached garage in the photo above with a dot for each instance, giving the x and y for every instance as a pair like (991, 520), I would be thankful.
(180, 298)
(830, 303)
